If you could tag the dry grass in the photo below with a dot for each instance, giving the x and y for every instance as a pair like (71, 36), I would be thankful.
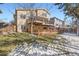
(4, 50)
(9, 42)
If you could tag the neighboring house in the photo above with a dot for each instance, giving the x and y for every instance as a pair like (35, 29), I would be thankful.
(34, 21)
(58, 23)
(6, 28)
(10, 28)
(2, 24)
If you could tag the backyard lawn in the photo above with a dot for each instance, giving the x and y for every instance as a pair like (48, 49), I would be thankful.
(10, 41)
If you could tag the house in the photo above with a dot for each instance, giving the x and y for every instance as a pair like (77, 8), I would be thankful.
(34, 21)
(6, 28)
(58, 24)
(2, 25)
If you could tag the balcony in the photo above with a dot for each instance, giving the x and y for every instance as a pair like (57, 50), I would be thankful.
(37, 19)
(40, 20)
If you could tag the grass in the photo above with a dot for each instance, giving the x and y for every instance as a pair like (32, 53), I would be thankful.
(9, 42)
(48, 38)
(4, 50)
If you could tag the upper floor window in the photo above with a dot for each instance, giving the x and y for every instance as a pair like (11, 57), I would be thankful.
(28, 14)
(44, 14)
(56, 24)
(22, 16)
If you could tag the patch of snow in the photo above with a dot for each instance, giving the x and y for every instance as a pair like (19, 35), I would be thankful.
(70, 47)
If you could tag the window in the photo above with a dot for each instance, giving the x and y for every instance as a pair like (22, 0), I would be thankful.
(23, 27)
(32, 15)
(56, 24)
(23, 16)
(44, 14)
(27, 15)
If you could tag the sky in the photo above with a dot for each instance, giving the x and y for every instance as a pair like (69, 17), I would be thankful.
(8, 10)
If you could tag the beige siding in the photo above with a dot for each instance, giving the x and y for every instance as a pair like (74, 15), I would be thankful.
(21, 21)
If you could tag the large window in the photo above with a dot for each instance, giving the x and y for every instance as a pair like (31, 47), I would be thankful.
(24, 16)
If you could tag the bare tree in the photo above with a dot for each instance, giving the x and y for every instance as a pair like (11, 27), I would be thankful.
(70, 9)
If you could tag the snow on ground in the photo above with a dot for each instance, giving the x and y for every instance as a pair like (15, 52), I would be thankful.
(73, 39)
(65, 44)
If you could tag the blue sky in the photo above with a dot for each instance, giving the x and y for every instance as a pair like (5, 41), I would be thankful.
(9, 9)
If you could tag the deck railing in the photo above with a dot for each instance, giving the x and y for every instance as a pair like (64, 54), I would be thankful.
(41, 20)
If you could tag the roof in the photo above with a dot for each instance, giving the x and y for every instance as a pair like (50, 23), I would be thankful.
(1, 21)
(57, 19)
(33, 9)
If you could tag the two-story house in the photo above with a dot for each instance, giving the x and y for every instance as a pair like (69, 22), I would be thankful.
(35, 21)
(58, 24)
